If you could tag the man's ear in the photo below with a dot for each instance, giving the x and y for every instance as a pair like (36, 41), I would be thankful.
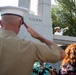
(0, 24)
(21, 22)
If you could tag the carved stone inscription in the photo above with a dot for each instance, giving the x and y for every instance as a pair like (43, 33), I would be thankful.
(35, 19)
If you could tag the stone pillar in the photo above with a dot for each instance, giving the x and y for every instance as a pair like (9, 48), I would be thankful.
(44, 8)
(24, 3)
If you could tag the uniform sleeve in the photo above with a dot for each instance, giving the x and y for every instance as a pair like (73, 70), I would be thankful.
(46, 53)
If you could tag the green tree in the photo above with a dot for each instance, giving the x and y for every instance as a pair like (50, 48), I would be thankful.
(64, 14)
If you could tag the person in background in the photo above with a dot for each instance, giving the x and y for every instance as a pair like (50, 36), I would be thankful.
(42, 69)
(60, 31)
(68, 66)
(54, 72)
(17, 55)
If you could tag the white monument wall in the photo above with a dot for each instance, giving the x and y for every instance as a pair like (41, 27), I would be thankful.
(41, 23)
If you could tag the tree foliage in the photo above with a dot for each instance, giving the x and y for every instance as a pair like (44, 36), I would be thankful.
(64, 14)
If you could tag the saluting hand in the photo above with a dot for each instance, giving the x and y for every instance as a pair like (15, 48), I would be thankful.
(31, 31)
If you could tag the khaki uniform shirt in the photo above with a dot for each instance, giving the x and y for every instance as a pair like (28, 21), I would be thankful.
(17, 56)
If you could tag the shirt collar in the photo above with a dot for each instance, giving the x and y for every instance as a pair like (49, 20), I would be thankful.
(8, 32)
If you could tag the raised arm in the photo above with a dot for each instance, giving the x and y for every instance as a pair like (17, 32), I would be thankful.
(36, 35)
